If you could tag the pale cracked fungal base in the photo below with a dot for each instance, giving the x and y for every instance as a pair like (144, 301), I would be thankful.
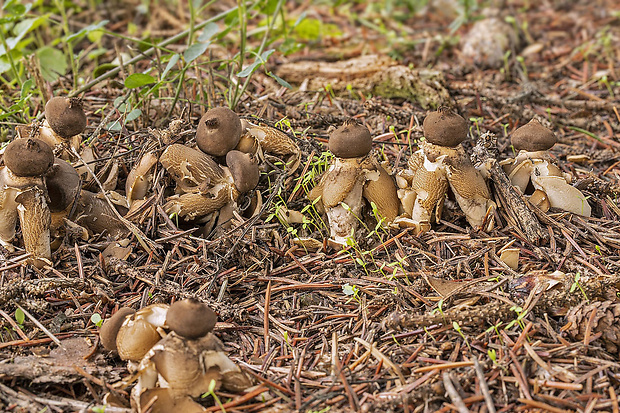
(343, 183)
(423, 186)
(35, 219)
(536, 168)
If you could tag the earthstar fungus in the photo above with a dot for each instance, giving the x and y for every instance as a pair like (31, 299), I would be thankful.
(23, 194)
(534, 167)
(204, 186)
(262, 139)
(189, 358)
(64, 121)
(353, 176)
(440, 163)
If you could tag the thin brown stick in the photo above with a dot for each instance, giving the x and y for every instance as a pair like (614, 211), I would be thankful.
(453, 394)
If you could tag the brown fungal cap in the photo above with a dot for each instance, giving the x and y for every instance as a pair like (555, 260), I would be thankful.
(109, 329)
(351, 140)
(219, 131)
(63, 185)
(243, 169)
(65, 116)
(444, 127)
(28, 157)
(533, 137)
(190, 318)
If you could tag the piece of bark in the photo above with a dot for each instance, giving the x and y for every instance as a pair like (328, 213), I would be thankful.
(485, 153)
(58, 366)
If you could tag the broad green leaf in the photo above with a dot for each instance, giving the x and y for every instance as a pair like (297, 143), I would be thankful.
(27, 87)
(173, 61)
(114, 126)
(119, 103)
(133, 115)
(95, 35)
(5, 66)
(208, 32)
(138, 80)
(52, 62)
(270, 6)
(265, 55)
(86, 30)
(15, 8)
(27, 25)
(194, 51)
(20, 317)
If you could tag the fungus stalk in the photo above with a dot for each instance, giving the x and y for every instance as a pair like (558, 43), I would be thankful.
(35, 219)
(23, 194)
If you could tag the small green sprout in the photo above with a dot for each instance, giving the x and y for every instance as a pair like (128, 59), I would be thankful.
(211, 392)
(457, 327)
(576, 284)
(96, 319)
(520, 316)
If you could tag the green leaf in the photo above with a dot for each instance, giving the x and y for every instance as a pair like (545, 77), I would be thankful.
(26, 88)
(52, 62)
(173, 61)
(260, 60)
(102, 69)
(96, 319)
(280, 81)
(20, 317)
(208, 32)
(194, 51)
(270, 6)
(114, 126)
(138, 80)
(133, 115)
(86, 30)
(249, 69)
(15, 8)
(95, 35)
(27, 25)
(265, 55)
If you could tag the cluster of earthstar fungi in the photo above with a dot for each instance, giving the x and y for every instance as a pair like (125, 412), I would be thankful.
(173, 354)
(40, 187)
(415, 197)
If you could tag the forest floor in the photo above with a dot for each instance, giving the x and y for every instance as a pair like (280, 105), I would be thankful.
(395, 322)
